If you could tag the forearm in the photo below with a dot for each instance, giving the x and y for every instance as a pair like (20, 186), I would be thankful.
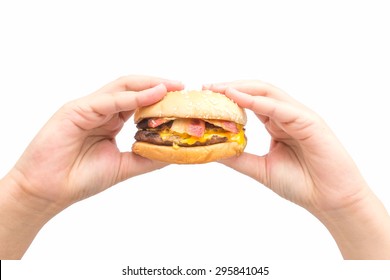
(21, 218)
(361, 231)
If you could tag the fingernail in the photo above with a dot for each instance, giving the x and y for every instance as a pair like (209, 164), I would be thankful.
(160, 86)
(220, 86)
(176, 82)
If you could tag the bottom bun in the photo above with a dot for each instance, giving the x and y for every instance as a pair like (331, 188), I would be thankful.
(188, 155)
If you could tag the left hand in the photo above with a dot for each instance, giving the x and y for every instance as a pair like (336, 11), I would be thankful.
(75, 155)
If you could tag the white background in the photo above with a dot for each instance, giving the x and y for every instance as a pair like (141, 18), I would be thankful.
(333, 56)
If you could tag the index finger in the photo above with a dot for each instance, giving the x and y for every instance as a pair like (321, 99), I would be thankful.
(272, 108)
(138, 83)
(255, 88)
(96, 109)
(107, 104)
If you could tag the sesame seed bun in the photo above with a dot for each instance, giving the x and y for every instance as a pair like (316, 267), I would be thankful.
(203, 104)
(206, 105)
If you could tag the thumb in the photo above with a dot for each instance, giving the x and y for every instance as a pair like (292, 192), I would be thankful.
(133, 165)
(248, 164)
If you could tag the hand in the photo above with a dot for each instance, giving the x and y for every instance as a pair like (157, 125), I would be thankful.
(307, 165)
(75, 155)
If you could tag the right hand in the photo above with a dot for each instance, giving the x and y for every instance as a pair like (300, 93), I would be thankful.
(305, 164)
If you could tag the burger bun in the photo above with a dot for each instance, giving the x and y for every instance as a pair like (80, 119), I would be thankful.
(188, 155)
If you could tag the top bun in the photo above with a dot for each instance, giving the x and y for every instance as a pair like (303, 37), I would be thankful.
(203, 104)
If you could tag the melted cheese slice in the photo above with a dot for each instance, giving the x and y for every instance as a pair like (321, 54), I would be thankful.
(208, 134)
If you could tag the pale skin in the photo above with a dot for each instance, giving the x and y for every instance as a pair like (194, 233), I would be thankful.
(75, 156)
(307, 165)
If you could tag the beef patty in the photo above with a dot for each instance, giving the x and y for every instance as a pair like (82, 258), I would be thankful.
(154, 137)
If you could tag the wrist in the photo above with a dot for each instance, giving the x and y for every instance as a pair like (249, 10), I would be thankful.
(360, 229)
(17, 191)
(22, 215)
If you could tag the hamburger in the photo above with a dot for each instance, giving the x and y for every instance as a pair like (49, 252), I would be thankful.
(190, 127)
